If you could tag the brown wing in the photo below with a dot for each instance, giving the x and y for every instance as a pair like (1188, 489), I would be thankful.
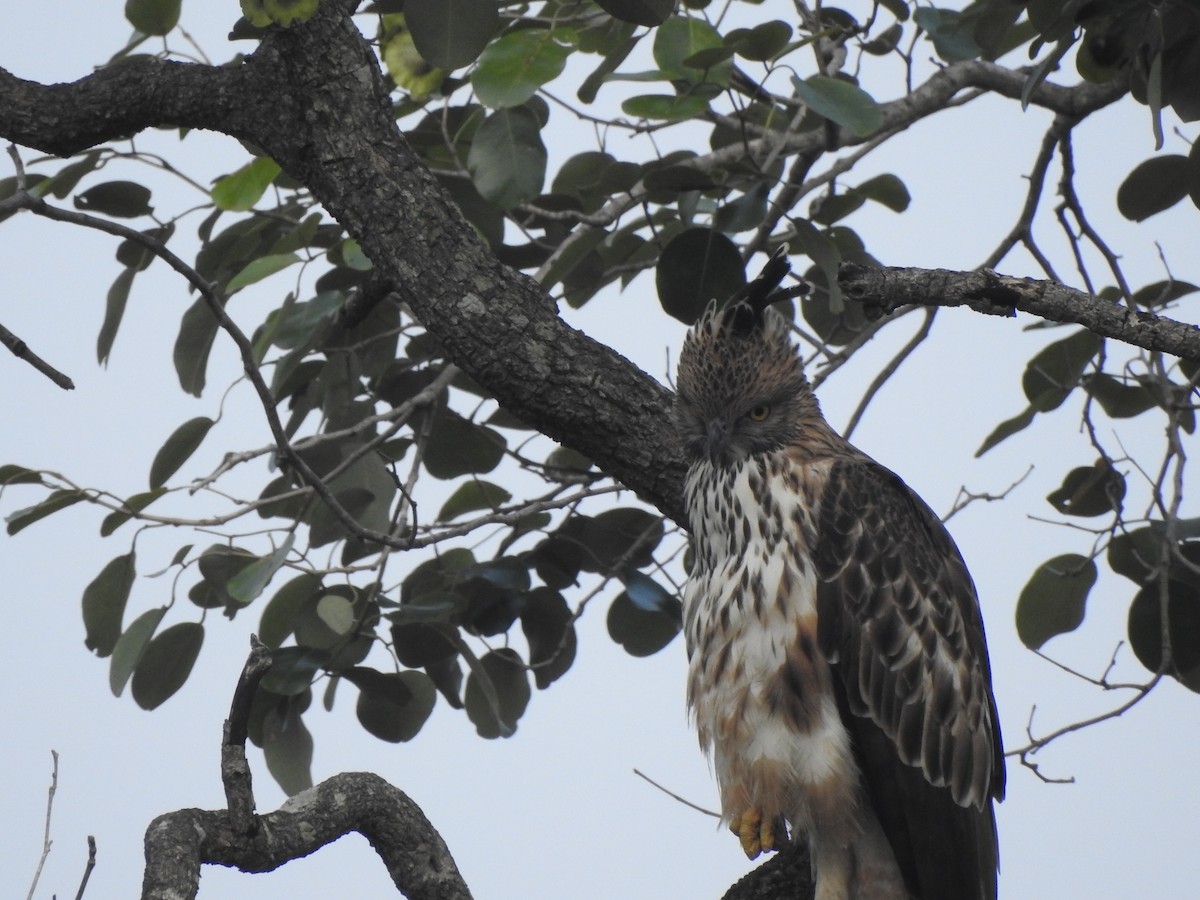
(899, 620)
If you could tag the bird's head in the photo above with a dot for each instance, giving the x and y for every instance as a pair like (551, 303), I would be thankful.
(740, 381)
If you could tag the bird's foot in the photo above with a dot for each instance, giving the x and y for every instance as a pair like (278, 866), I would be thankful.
(756, 833)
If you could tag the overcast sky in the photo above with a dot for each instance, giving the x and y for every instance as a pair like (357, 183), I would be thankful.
(556, 810)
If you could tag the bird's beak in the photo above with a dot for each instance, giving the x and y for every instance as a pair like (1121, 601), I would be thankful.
(716, 439)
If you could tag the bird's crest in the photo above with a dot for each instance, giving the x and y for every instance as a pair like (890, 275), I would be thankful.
(745, 308)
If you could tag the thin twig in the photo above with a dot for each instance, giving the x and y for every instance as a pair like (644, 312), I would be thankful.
(674, 796)
(87, 870)
(21, 350)
(46, 842)
(890, 369)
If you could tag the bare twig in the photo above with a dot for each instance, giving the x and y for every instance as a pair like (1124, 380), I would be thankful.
(965, 498)
(87, 870)
(890, 369)
(46, 842)
(674, 796)
(21, 350)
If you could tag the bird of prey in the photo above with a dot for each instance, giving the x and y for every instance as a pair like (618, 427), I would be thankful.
(837, 668)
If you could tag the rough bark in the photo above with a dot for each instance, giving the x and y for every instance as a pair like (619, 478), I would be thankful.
(416, 858)
(884, 290)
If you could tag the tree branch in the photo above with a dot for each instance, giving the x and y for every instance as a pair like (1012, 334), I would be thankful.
(21, 350)
(416, 857)
(886, 289)
(178, 843)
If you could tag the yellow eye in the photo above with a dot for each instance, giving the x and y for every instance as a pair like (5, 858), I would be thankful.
(760, 412)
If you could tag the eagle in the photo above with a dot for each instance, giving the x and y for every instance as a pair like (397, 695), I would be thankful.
(838, 672)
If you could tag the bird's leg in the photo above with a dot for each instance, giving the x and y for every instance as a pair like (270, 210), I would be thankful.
(758, 833)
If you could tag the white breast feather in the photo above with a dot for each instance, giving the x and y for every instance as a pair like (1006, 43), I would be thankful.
(736, 722)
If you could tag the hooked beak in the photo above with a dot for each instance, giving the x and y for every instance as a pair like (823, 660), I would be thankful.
(716, 440)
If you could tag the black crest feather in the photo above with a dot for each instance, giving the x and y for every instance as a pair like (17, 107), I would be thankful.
(746, 307)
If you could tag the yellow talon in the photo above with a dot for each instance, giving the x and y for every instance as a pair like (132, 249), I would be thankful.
(756, 834)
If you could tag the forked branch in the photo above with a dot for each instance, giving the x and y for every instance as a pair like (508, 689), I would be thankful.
(179, 843)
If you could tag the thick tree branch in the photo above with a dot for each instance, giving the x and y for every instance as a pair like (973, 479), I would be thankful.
(416, 857)
(179, 843)
(887, 289)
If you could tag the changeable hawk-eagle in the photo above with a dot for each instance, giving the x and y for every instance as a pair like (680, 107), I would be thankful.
(838, 673)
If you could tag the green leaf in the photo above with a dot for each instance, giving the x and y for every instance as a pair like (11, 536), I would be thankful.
(419, 644)
(288, 747)
(558, 560)
(643, 632)
(1006, 429)
(744, 212)
(1160, 293)
(11, 474)
(114, 311)
(952, 33)
(336, 612)
(293, 669)
(69, 176)
(639, 12)
(251, 581)
(665, 107)
(679, 39)
(647, 594)
(1193, 174)
(197, 331)
(258, 269)
(761, 42)
(1054, 600)
(57, 500)
(471, 496)
(1089, 491)
(241, 190)
(507, 159)
(218, 565)
(279, 617)
(177, 449)
(104, 604)
(450, 34)
(1055, 371)
(617, 539)
(1183, 632)
(130, 507)
(122, 199)
(458, 447)
(1118, 400)
(497, 693)
(130, 646)
(511, 70)
(821, 249)
(549, 628)
(698, 265)
(152, 16)
(394, 705)
(166, 664)
(1154, 185)
(1136, 554)
(886, 189)
(841, 102)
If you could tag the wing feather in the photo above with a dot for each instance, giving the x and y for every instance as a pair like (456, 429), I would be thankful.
(899, 620)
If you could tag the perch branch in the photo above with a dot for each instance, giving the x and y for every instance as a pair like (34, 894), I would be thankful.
(885, 289)
(179, 843)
